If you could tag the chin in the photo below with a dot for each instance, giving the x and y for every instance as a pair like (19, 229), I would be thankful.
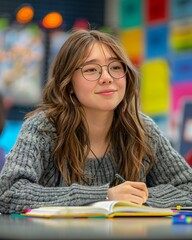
(109, 108)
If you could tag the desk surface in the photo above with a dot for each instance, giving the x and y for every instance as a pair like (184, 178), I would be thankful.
(14, 227)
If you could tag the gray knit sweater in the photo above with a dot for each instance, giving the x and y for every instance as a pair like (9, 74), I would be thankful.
(29, 178)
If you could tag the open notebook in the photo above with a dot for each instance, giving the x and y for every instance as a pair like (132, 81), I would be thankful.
(100, 209)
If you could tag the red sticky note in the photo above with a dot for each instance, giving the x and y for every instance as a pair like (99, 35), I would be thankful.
(157, 10)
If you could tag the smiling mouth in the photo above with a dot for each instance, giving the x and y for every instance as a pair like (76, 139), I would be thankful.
(106, 92)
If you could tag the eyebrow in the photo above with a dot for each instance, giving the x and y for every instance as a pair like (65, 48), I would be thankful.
(96, 60)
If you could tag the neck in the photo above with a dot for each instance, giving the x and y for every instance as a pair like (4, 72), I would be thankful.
(93, 154)
(99, 125)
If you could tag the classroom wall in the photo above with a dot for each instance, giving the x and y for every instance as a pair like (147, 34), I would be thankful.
(157, 36)
(71, 10)
(27, 50)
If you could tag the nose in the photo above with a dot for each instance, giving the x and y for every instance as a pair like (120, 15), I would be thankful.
(105, 76)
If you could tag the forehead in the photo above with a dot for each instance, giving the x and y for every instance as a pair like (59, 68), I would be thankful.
(99, 50)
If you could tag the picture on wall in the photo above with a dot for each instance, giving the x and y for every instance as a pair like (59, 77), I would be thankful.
(21, 64)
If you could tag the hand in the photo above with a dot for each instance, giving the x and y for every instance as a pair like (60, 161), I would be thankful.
(135, 192)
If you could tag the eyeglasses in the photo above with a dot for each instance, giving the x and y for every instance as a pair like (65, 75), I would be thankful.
(92, 72)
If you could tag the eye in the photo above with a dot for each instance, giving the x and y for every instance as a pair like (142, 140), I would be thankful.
(116, 67)
(90, 69)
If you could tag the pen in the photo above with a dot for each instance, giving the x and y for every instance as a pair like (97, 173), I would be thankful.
(120, 178)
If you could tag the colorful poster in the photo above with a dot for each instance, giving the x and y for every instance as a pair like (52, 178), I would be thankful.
(156, 41)
(156, 10)
(22, 51)
(181, 8)
(155, 87)
(181, 68)
(132, 41)
(130, 13)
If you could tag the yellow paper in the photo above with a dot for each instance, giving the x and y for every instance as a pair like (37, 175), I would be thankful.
(155, 85)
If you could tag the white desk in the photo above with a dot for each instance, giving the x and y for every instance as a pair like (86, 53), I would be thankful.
(14, 227)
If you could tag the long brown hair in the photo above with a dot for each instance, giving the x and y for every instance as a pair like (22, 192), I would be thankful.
(128, 136)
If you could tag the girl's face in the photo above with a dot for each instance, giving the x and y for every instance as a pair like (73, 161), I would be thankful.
(105, 93)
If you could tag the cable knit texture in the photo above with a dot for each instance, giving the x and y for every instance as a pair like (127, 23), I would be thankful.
(30, 179)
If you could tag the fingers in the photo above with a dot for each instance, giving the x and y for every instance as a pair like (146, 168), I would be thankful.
(135, 192)
(141, 187)
(135, 199)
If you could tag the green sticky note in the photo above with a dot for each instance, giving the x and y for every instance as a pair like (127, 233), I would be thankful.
(130, 13)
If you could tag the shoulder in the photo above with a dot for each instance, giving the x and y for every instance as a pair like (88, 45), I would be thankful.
(146, 119)
(150, 125)
(39, 121)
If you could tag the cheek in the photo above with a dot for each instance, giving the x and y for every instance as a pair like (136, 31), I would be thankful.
(83, 95)
(80, 87)
(82, 90)
(122, 85)
(77, 83)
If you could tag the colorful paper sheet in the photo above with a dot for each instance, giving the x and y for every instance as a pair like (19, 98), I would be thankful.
(181, 68)
(181, 35)
(180, 8)
(130, 13)
(156, 41)
(179, 93)
(132, 41)
(156, 10)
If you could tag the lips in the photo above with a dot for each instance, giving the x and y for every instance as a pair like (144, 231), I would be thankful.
(106, 91)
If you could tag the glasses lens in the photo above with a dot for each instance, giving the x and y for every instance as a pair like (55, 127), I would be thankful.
(91, 72)
(117, 69)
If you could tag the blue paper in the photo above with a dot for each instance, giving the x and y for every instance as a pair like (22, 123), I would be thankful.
(157, 41)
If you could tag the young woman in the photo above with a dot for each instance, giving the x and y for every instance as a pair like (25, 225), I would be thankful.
(87, 129)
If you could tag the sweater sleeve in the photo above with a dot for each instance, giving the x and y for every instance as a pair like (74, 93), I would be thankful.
(21, 179)
(170, 180)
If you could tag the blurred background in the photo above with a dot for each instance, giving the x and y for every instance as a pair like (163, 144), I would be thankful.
(156, 34)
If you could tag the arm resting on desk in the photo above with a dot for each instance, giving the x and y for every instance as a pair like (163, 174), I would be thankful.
(170, 180)
(30, 178)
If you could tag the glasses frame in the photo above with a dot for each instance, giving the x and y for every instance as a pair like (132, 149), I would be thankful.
(101, 67)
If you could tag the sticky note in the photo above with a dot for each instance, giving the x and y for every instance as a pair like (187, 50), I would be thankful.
(155, 87)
